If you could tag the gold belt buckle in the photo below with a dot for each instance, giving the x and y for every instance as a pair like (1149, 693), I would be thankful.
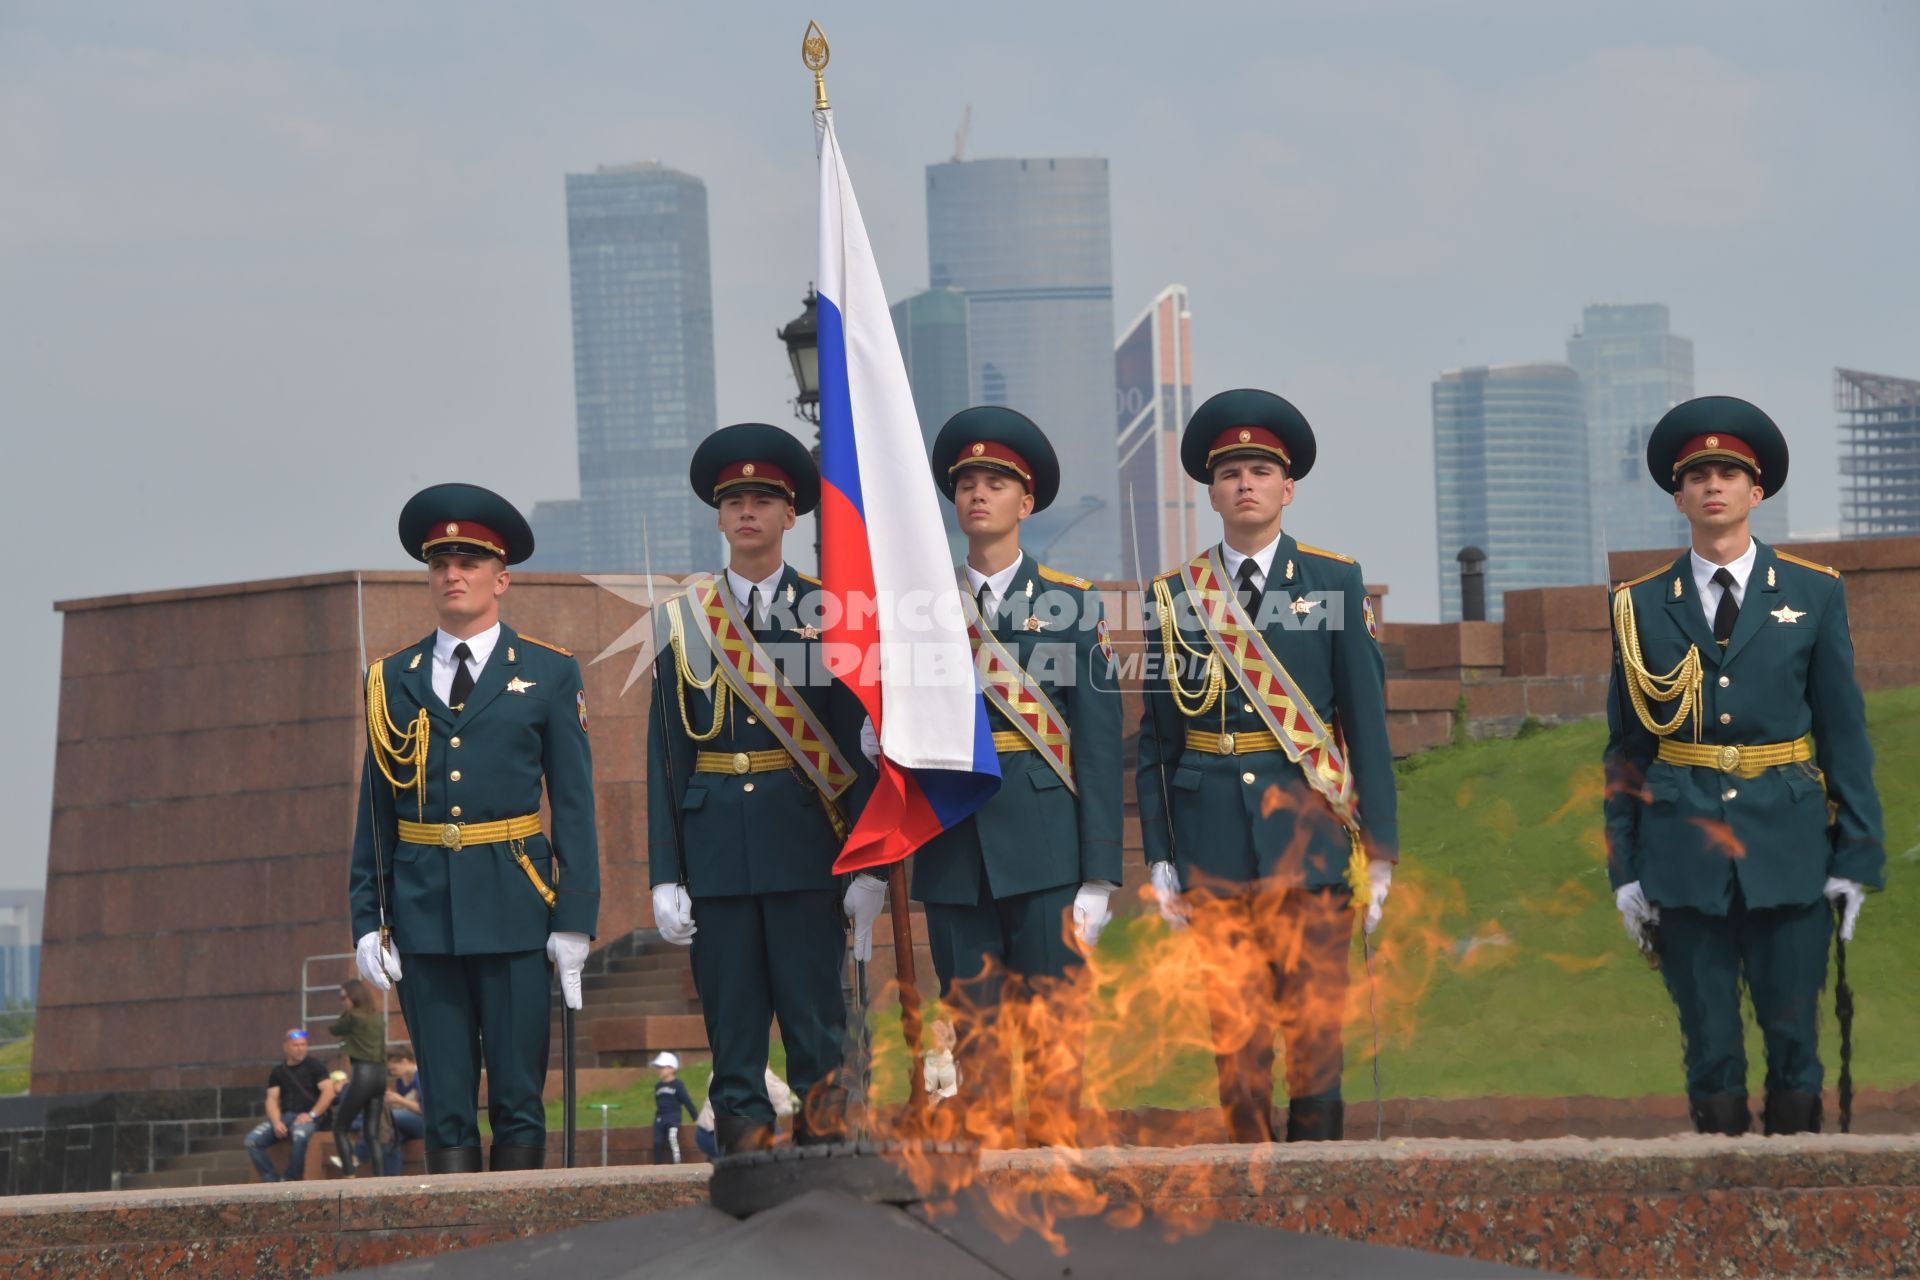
(740, 762)
(1226, 744)
(450, 836)
(1729, 759)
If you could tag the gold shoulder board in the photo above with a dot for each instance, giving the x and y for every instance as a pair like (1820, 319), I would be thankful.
(809, 579)
(1827, 569)
(1067, 579)
(1322, 551)
(546, 645)
(1648, 576)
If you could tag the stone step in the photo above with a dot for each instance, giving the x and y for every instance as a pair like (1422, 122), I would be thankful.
(175, 1178)
(678, 981)
(648, 1034)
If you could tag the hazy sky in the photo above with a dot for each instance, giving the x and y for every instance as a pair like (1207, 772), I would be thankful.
(267, 269)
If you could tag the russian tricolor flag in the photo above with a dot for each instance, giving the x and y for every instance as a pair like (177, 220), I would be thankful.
(883, 542)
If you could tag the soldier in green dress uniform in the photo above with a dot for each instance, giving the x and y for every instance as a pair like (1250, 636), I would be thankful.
(459, 894)
(1004, 888)
(1739, 778)
(754, 776)
(1265, 777)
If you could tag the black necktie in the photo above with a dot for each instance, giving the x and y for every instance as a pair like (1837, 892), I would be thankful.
(1729, 611)
(986, 614)
(756, 609)
(462, 678)
(1248, 592)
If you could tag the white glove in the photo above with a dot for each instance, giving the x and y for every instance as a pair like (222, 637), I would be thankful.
(1855, 895)
(380, 968)
(568, 951)
(1166, 887)
(1379, 880)
(869, 741)
(865, 896)
(1090, 912)
(1637, 914)
(673, 914)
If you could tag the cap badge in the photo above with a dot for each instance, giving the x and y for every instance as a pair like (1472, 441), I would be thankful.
(1713, 442)
(1245, 435)
(979, 449)
(452, 529)
(747, 470)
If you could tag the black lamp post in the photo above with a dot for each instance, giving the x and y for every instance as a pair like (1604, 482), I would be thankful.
(801, 336)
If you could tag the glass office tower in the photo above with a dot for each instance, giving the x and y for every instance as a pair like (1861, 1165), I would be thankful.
(1029, 242)
(1510, 477)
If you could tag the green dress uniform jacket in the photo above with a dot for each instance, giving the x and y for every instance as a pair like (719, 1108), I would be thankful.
(1688, 834)
(524, 722)
(758, 832)
(1222, 824)
(1034, 833)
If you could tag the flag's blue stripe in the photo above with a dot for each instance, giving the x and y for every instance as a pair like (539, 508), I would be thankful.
(954, 794)
(839, 456)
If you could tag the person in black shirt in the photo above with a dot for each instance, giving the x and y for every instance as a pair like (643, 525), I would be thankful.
(298, 1095)
(669, 1096)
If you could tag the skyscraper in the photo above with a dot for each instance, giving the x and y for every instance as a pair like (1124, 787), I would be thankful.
(932, 329)
(1153, 390)
(642, 370)
(1879, 454)
(1029, 242)
(1510, 477)
(1632, 370)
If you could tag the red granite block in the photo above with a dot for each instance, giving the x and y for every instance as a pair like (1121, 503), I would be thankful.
(1572, 653)
(1567, 697)
(1412, 731)
(1526, 653)
(182, 830)
(568, 616)
(1433, 646)
(649, 1033)
(1494, 699)
(1422, 695)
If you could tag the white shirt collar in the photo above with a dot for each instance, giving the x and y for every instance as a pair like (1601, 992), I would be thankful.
(1262, 559)
(997, 583)
(743, 590)
(1704, 569)
(481, 646)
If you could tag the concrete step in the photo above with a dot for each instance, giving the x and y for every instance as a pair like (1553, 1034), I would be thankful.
(648, 1034)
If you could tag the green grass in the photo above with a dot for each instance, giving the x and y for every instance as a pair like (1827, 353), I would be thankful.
(16, 1063)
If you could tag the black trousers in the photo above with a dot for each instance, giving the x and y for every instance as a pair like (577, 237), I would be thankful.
(366, 1091)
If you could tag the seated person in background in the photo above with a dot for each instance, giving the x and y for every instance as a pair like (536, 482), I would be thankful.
(298, 1095)
(403, 1104)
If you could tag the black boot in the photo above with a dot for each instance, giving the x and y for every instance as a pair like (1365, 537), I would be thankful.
(822, 1119)
(507, 1155)
(1721, 1113)
(1316, 1120)
(1250, 1118)
(1786, 1113)
(453, 1160)
(735, 1134)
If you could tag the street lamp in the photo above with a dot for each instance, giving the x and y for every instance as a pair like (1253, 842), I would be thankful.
(802, 338)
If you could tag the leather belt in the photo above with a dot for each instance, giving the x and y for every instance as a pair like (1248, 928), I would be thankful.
(458, 835)
(1010, 740)
(1748, 762)
(740, 761)
(1231, 744)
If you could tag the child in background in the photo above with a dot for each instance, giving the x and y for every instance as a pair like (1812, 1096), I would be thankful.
(670, 1096)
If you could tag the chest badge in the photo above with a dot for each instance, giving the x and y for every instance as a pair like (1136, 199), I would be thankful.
(808, 632)
(1787, 613)
(1033, 622)
(1301, 608)
(517, 685)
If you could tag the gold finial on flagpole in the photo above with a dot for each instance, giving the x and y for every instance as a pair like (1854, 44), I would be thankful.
(813, 52)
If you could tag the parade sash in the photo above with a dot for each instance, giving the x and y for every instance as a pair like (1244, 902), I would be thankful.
(757, 680)
(1285, 709)
(1008, 687)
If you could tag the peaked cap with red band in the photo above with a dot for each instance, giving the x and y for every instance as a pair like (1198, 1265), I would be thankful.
(1246, 423)
(755, 457)
(999, 439)
(1717, 429)
(464, 519)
